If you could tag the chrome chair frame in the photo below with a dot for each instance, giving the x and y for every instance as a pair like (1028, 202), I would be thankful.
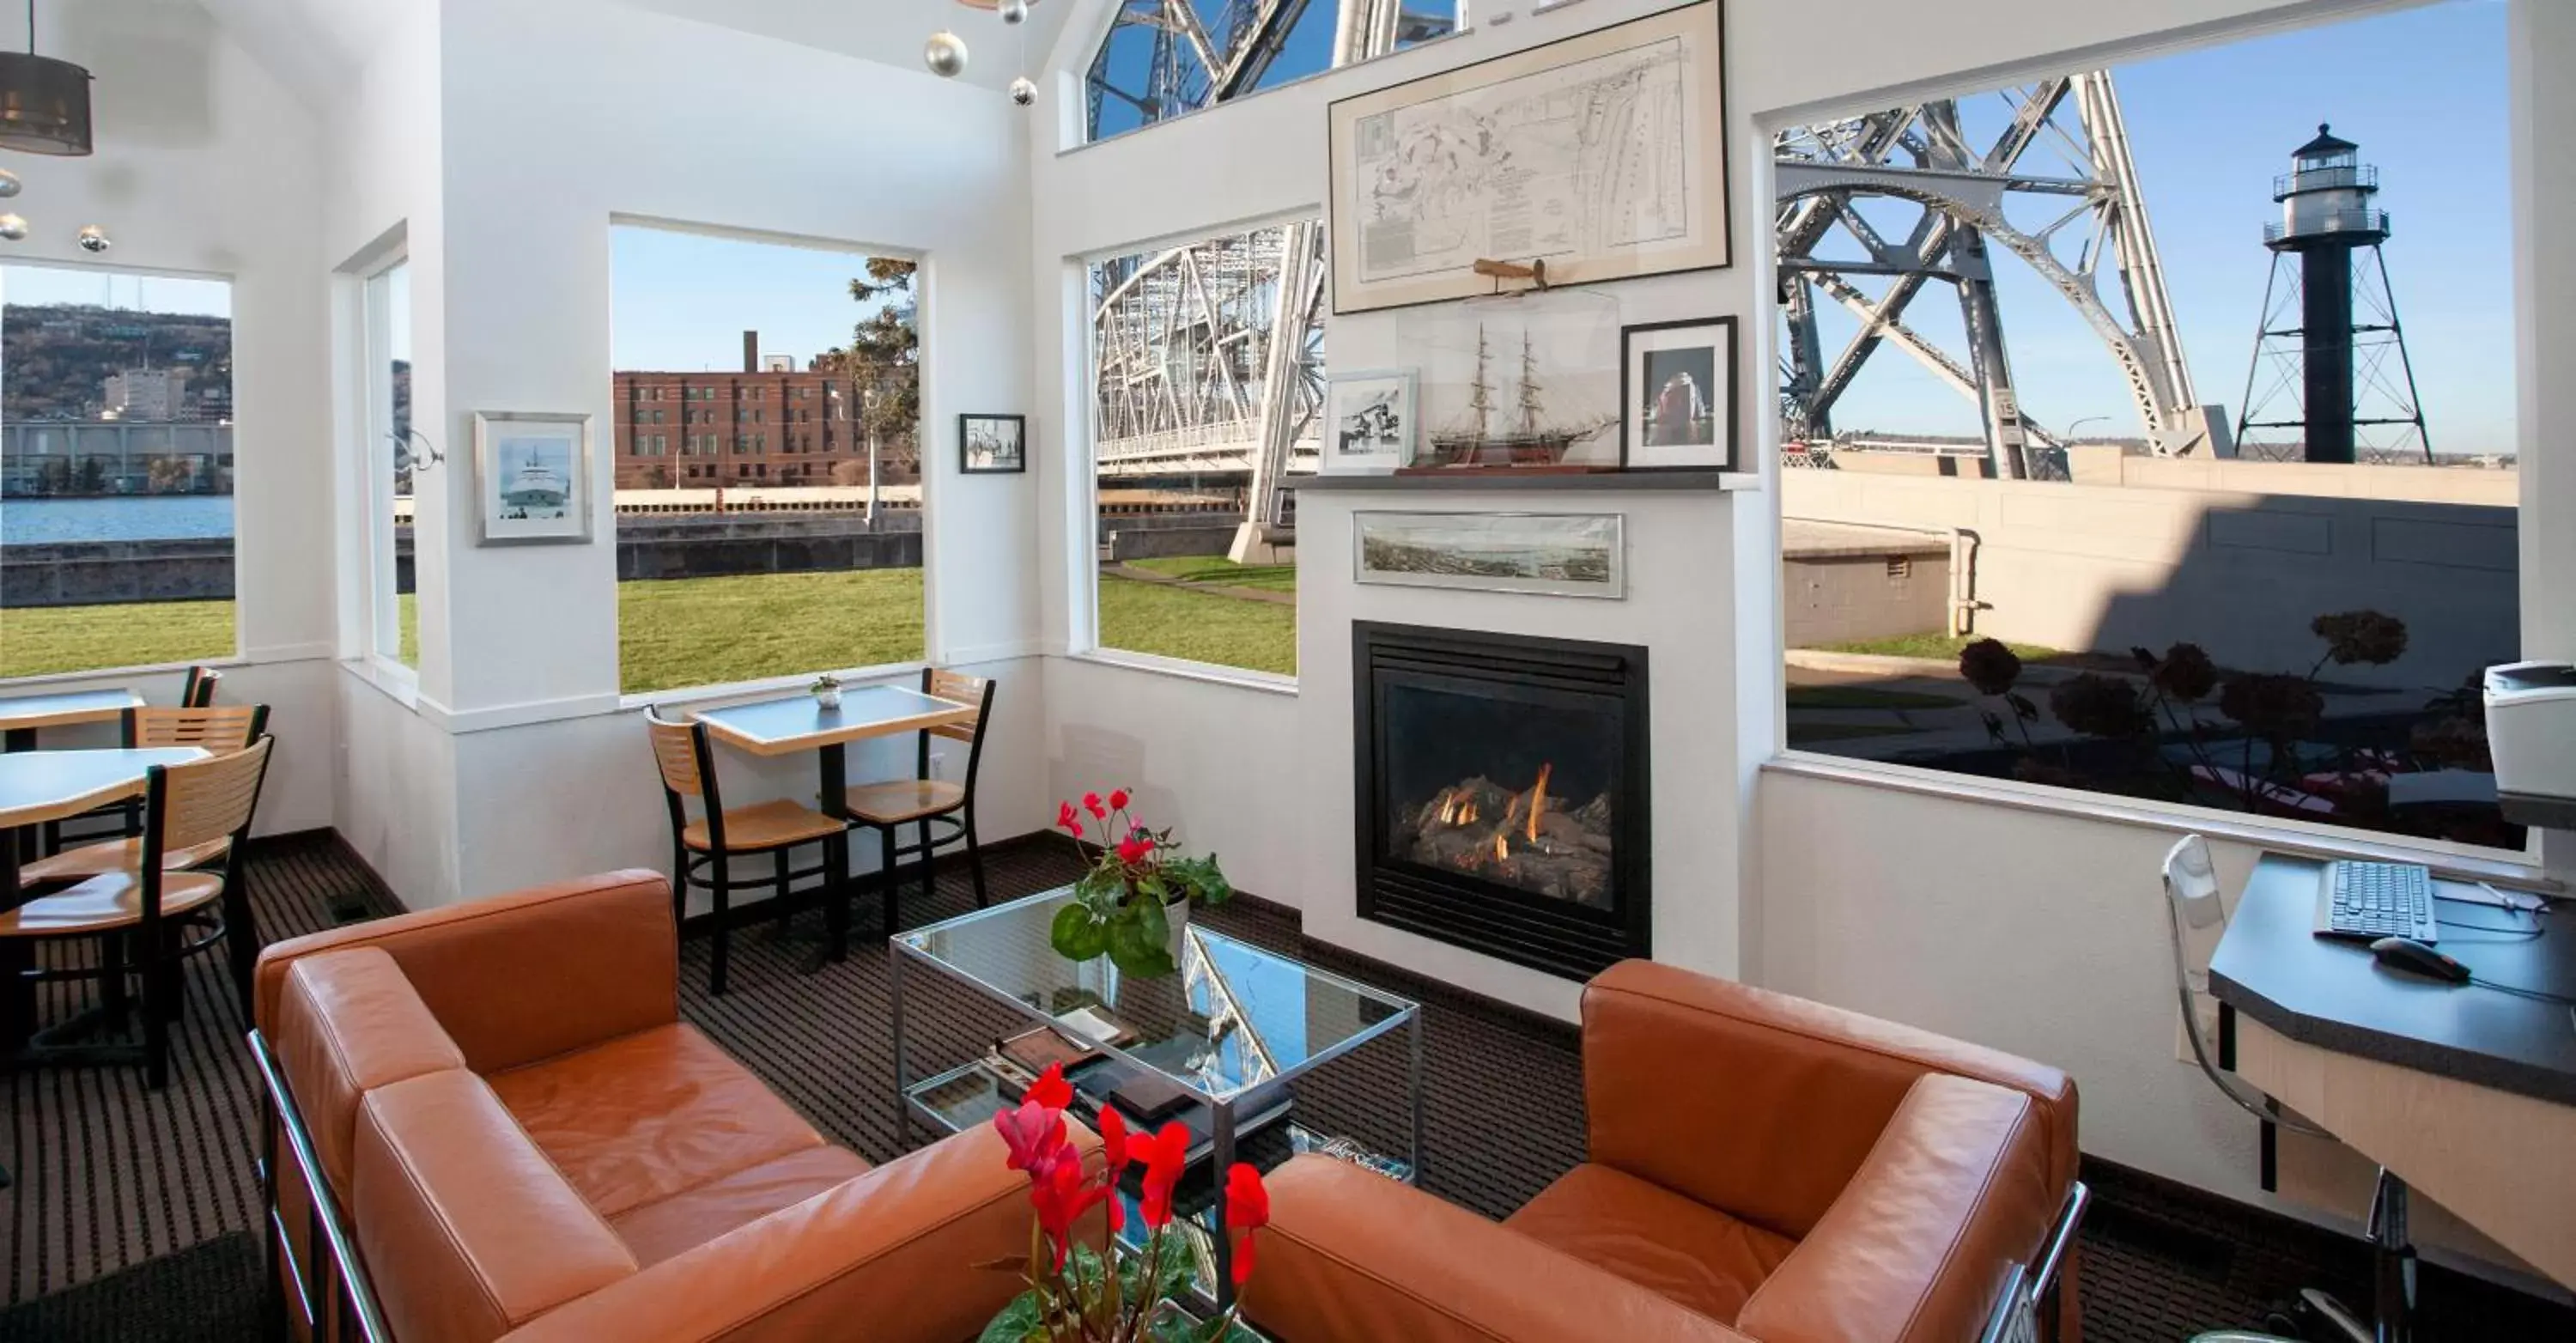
(344, 1297)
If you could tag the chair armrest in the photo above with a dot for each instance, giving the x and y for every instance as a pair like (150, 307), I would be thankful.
(1353, 1257)
(522, 977)
(1764, 1104)
(1955, 1192)
(890, 1256)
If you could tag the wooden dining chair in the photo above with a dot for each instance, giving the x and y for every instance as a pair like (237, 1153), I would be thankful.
(923, 801)
(148, 910)
(198, 690)
(217, 731)
(703, 850)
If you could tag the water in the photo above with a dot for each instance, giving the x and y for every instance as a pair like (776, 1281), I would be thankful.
(26, 522)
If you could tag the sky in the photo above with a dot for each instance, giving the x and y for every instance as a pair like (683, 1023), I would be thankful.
(114, 289)
(681, 301)
(2421, 91)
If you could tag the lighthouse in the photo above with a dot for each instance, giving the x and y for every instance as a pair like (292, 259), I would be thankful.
(2325, 330)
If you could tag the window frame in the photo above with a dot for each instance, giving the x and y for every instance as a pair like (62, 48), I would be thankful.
(2530, 863)
(380, 600)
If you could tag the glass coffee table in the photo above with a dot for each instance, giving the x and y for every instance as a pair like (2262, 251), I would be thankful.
(1222, 1039)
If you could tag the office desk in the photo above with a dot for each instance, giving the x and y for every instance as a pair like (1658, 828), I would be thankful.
(2466, 1094)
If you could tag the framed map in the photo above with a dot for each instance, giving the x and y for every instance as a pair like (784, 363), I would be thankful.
(1603, 155)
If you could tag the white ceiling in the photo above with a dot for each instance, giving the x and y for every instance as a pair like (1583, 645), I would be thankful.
(891, 31)
(316, 47)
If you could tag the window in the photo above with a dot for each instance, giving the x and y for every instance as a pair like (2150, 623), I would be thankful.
(753, 608)
(392, 608)
(2048, 551)
(116, 469)
(1147, 71)
(1190, 347)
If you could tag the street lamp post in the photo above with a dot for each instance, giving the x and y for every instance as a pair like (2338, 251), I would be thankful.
(869, 400)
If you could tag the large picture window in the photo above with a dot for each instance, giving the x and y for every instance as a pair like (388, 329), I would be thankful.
(393, 610)
(765, 430)
(1167, 58)
(1207, 381)
(2184, 473)
(116, 470)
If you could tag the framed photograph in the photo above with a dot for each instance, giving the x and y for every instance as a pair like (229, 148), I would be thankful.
(1369, 421)
(992, 444)
(1677, 395)
(532, 478)
(1604, 155)
(1551, 554)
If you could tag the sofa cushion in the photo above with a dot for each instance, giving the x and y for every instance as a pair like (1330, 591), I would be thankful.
(1657, 1239)
(645, 1116)
(672, 1226)
(347, 1023)
(466, 1229)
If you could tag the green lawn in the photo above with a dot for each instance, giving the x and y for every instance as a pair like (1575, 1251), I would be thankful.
(37, 641)
(1223, 572)
(1864, 697)
(1942, 646)
(1197, 626)
(708, 631)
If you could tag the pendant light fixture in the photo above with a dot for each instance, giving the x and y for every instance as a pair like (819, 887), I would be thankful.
(44, 103)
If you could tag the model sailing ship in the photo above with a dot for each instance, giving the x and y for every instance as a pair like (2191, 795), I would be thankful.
(1526, 439)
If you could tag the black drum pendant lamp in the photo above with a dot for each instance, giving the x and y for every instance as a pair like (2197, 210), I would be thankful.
(44, 103)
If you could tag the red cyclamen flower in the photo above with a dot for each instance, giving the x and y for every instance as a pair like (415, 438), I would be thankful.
(1091, 803)
(1051, 1090)
(1136, 848)
(1035, 1137)
(1061, 1199)
(1064, 817)
(1117, 799)
(1247, 1209)
(1165, 1155)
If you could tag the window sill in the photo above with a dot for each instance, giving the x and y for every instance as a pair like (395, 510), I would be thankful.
(1268, 683)
(2307, 838)
(393, 680)
(801, 681)
(50, 680)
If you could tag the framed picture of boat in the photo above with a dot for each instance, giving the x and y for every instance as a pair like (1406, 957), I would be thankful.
(1369, 422)
(1526, 383)
(1550, 554)
(532, 478)
(1603, 155)
(1677, 395)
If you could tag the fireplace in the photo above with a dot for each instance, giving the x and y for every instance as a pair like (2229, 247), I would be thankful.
(1502, 793)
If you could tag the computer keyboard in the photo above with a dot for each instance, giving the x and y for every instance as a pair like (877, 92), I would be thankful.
(2375, 900)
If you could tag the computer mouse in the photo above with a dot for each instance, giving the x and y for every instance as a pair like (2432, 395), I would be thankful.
(2413, 957)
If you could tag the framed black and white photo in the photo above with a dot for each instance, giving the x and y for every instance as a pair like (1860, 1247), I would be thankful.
(532, 478)
(1368, 421)
(1677, 395)
(1548, 554)
(992, 444)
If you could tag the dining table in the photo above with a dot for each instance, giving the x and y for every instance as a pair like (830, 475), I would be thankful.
(22, 715)
(41, 786)
(794, 724)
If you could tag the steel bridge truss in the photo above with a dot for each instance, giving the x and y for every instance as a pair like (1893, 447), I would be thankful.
(1921, 155)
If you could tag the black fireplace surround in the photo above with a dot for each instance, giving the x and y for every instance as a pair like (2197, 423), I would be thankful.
(1502, 790)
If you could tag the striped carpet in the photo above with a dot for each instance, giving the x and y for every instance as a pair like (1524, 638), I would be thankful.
(131, 1219)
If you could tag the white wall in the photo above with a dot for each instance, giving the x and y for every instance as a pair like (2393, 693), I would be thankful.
(508, 203)
(206, 165)
(2026, 930)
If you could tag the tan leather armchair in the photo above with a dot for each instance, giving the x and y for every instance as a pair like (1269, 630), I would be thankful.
(1761, 1168)
(525, 1142)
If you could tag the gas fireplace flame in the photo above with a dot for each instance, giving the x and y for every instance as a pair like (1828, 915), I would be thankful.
(1537, 801)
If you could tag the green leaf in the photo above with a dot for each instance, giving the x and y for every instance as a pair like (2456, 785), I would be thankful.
(1202, 878)
(1133, 952)
(1020, 1322)
(1078, 934)
(1152, 924)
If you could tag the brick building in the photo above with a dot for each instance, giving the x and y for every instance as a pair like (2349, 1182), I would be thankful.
(777, 427)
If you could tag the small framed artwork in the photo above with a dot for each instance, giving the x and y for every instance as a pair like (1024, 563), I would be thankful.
(992, 444)
(1368, 421)
(1549, 554)
(1677, 395)
(532, 478)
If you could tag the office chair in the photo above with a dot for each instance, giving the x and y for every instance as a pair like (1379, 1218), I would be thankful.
(2192, 899)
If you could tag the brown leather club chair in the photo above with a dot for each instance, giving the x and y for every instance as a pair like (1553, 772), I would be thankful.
(1762, 1168)
(512, 1135)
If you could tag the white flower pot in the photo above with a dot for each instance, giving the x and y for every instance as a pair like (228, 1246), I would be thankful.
(1176, 922)
(829, 698)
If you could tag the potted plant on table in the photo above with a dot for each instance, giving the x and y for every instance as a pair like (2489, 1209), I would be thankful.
(827, 690)
(1081, 1294)
(1134, 903)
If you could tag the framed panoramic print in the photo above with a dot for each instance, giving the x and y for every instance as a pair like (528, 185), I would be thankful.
(532, 478)
(1369, 421)
(1677, 395)
(1551, 554)
(992, 444)
(1603, 155)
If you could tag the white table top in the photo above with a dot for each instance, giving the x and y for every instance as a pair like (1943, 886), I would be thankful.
(39, 786)
(798, 723)
(78, 706)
